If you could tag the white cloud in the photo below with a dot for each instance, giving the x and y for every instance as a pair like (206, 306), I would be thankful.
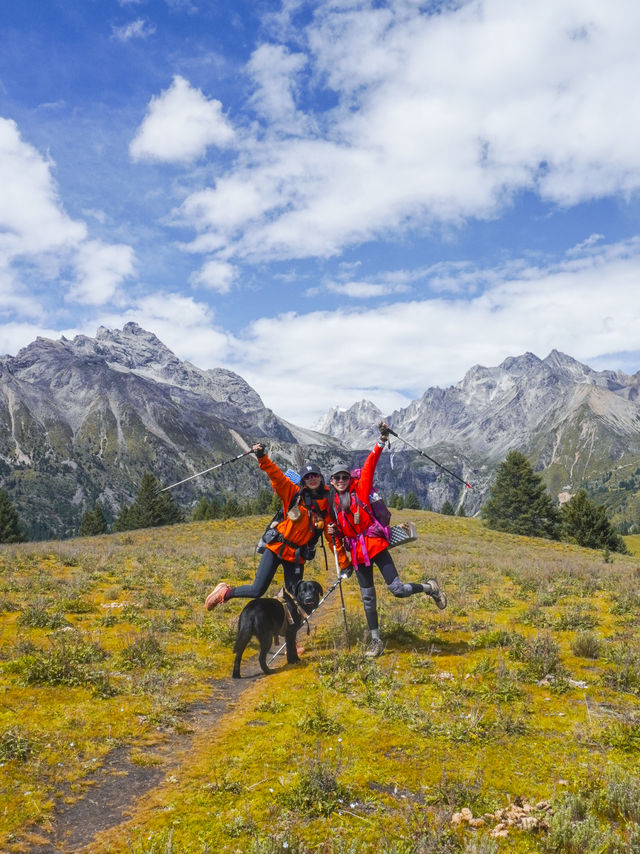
(364, 290)
(394, 353)
(215, 275)
(303, 364)
(39, 241)
(138, 29)
(16, 300)
(274, 70)
(32, 219)
(15, 336)
(186, 326)
(181, 123)
(100, 270)
(438, 118)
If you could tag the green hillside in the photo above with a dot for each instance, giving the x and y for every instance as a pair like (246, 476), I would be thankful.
(507, 723)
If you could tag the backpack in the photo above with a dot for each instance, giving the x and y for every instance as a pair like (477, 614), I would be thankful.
(381, 525)
(376, 505)
(272, 535)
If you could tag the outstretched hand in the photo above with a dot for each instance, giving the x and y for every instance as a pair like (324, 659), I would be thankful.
(258, 449)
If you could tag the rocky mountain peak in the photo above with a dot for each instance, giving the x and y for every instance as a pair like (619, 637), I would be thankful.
(136, 350)
(520, 365)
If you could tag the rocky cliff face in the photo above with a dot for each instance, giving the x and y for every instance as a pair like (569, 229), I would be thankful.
(577, 425)
(82, 420)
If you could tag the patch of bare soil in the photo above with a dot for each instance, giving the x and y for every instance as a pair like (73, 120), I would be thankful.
(113, 789)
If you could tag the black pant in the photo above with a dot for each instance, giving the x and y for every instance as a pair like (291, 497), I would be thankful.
(385, 564)
(269, 563)
(387, 567)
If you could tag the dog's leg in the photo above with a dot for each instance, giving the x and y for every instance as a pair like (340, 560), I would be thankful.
(292, 652)
(265, 646)
(243, 638)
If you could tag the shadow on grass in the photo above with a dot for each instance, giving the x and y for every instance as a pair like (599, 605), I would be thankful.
(433, 646)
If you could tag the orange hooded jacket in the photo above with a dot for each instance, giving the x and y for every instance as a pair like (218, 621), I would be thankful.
(297, 532)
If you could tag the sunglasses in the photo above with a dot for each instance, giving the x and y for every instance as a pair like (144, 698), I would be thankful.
(311, 474)
(340, 477)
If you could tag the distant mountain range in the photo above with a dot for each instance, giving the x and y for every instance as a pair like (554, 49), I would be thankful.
(82, 420)
(579, 427)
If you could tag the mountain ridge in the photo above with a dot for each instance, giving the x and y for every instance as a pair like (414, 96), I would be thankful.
(575, 424)
(81, 420)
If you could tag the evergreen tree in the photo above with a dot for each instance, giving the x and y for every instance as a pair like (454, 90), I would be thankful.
(101, 520)
(93, 522)
(587, 524)
(10, 528)
(519, 503)
(150, 509)
(262, 504)
(167, 511)
(231, 508)
(447, 509)
(145, 510)
(202, 511)
(275, 505)
(87, 524)
(215, 509)
(461, 511)
(411, 501)
(125, 521)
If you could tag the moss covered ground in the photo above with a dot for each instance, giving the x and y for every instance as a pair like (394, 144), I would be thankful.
(509, 722)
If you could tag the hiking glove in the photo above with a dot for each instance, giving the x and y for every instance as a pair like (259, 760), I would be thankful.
(259, 450)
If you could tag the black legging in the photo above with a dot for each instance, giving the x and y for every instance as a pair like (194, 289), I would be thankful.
(387, 567)
(269, 563)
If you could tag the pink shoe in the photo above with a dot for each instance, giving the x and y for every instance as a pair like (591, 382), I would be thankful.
(217, 596)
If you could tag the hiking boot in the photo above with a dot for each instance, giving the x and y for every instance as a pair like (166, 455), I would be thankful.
(376, 648)
(432, 588)
(217, 596)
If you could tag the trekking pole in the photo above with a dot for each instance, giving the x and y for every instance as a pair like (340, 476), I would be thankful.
(422, 453)
(217, 466)
(326, 596)
(344, 610)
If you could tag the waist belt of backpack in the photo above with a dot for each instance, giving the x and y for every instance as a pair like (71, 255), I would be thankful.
(352, 542)
(295, 546)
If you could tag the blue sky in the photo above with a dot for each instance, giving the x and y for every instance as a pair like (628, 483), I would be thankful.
(337, 200)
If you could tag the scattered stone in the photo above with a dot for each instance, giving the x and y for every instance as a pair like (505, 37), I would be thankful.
(519, 815)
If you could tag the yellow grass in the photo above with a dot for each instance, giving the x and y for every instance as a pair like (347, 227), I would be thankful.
(493, 699)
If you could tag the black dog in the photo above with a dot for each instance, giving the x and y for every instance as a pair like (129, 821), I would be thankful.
(267, 620)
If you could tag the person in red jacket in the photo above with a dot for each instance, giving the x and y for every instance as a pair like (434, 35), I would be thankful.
(353, 522)
(305, 508)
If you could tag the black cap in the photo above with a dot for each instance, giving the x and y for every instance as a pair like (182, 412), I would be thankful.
(338, 469)
(309, 468)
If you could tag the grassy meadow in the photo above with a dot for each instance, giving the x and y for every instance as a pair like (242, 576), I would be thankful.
(508, 723)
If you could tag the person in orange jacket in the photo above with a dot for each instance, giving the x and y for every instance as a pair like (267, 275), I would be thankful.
(305, 509)
(353, 522)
